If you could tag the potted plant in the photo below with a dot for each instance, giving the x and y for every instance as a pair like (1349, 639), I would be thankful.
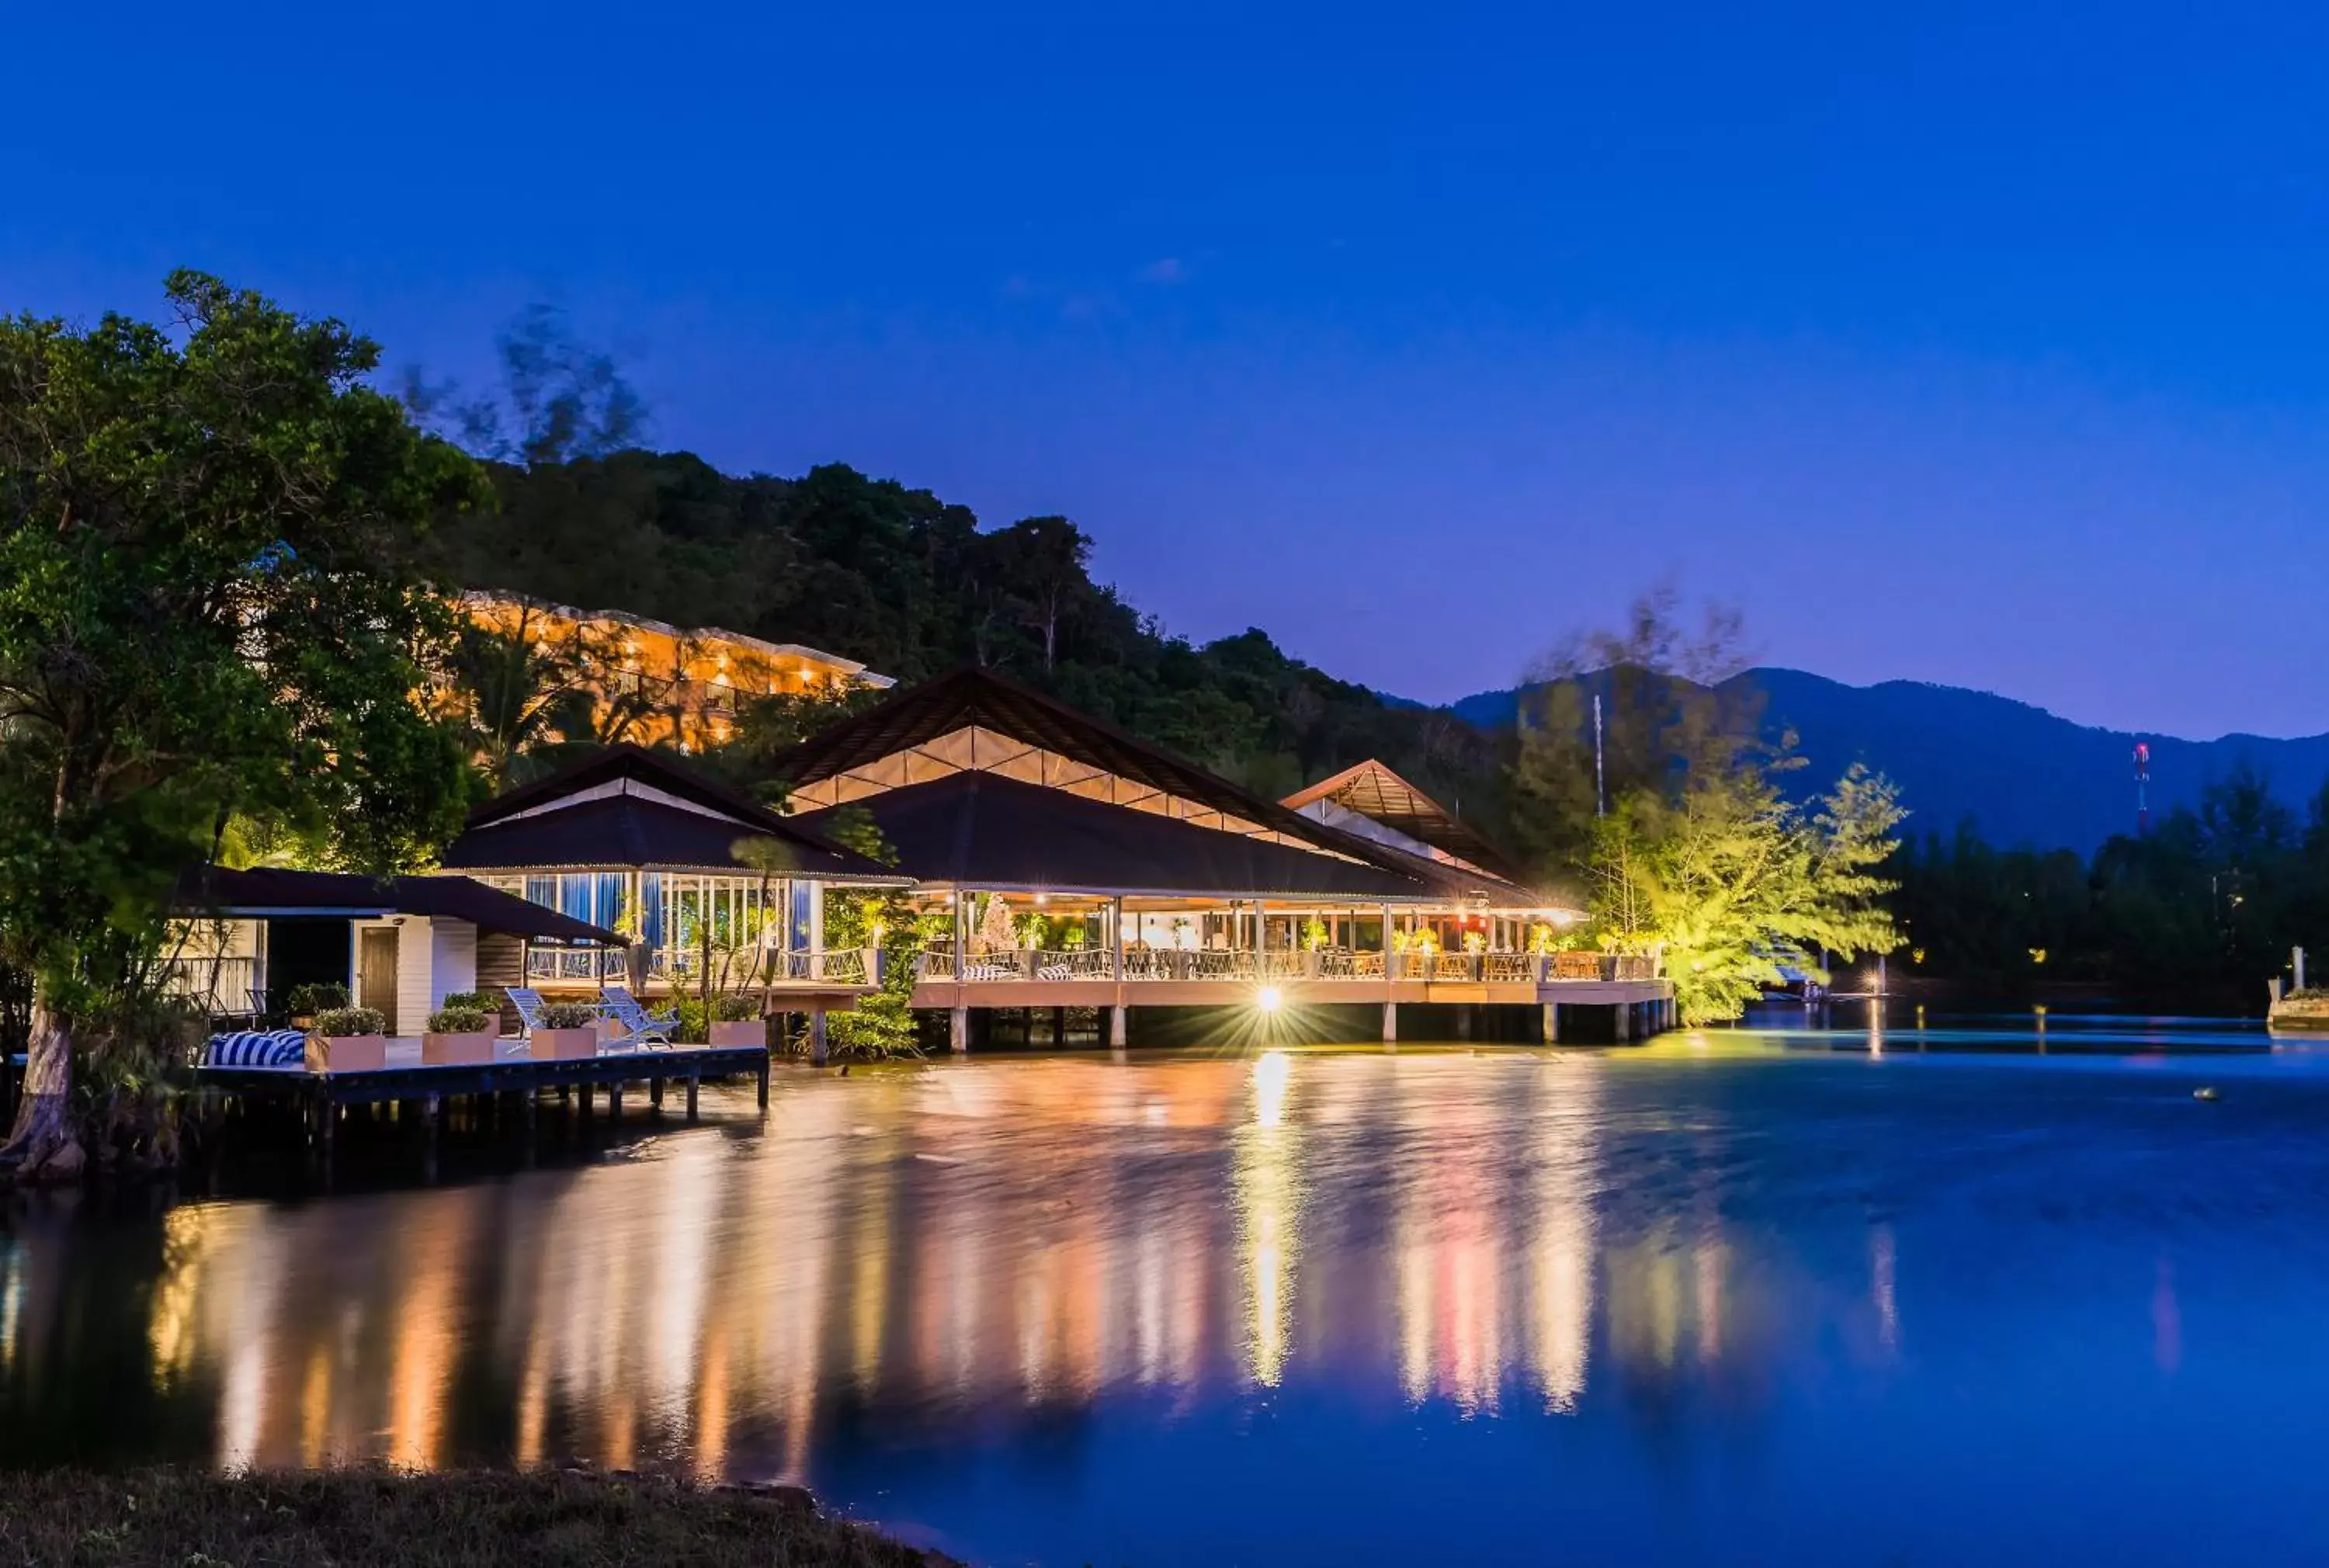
(460, 1037)
(348, 1039)
(303, 1002)
(567, 1031)
(737, 1020)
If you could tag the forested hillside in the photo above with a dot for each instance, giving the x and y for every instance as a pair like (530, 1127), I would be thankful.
(911, 585)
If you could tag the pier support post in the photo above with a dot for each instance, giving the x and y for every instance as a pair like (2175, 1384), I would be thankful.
(1390, 1023)
(958, 1031)
(761, 1082)
(1552, 1011)
(1115, 1027)
(691, 1084)
(1624, 1022)
(654, 1096)
(1463, 1021)
(614, 1103)
(817, 1040)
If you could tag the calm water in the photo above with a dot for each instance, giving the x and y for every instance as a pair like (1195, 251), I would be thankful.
(1728, 1299)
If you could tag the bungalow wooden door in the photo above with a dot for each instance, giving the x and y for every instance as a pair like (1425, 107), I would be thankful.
(376, 973)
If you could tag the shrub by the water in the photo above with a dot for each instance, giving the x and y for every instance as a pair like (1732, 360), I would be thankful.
(342, 1022)
(567, 1015)
(482, 1002)
(457, 1020)
(370, 1519)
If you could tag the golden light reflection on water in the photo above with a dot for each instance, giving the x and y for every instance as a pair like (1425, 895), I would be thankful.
(943, 1245)
(1267, 1173)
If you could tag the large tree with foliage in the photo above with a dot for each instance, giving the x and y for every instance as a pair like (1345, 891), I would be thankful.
(1671, 821)
(210, 609)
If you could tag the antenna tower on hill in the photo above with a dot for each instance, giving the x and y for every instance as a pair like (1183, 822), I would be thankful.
(2142, 788)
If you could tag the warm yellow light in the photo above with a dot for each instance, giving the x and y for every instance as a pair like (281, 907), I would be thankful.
(1272, 1071)
(1269, 998)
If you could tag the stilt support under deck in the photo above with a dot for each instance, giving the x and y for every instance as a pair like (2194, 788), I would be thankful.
(958, 1031)
(817, 1052)
(1115, 1026)
(1390, 1023)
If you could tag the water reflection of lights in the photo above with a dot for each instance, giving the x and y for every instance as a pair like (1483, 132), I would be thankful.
(1030, 1235)
(1562, 1240)
(1272, 1071)
(1881, 1262)
(12, 1303)
(1269, 1205)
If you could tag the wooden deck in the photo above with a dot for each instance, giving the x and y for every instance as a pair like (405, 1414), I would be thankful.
(1291, 992)
(406, 1079)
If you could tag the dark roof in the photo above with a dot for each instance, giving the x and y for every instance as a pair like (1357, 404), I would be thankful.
(980, 829)
(626, 761)
(972, 696)
(515, 831)
(628, 832)
(214, 890)
(1374, 790)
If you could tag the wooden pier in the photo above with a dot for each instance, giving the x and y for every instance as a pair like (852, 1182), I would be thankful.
(432, 1089)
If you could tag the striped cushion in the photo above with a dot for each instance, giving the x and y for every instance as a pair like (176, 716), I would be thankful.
(256, 1049)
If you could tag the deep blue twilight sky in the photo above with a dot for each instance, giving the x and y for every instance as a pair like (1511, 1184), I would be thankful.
(1983, 349)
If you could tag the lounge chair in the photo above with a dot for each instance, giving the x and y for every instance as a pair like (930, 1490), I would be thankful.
(642, 1026)
(528, 1004)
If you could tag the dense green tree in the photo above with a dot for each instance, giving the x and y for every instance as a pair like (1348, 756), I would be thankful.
(211, 607)
(1673, 820)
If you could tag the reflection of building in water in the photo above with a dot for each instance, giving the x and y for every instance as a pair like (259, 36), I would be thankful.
(1561, 1235)
(1493, 1242)
(931, 1250)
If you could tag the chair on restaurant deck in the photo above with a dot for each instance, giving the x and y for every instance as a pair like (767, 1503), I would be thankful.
(641, 1027)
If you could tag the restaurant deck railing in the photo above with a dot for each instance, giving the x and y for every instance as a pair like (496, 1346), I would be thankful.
(742, 970)
(1140, 965)
(222, 987)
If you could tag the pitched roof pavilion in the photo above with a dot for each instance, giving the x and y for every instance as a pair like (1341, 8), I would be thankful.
(631, 807)
(966, 773)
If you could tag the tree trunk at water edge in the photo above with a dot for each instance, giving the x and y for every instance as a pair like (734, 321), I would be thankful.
(42, 1133)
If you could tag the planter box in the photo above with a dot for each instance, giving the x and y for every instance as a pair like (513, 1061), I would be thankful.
(564, 1044)
(730, 1032)
(346, 1053)
(473, 1049)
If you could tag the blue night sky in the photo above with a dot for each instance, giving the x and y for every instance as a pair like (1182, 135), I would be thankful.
(1981, 349)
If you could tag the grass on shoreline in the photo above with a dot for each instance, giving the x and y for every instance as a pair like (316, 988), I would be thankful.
(191, 1518)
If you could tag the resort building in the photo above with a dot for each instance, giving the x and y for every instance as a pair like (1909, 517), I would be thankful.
(709, 890)
(1075, 867)
(244, 940)
(658, 684)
